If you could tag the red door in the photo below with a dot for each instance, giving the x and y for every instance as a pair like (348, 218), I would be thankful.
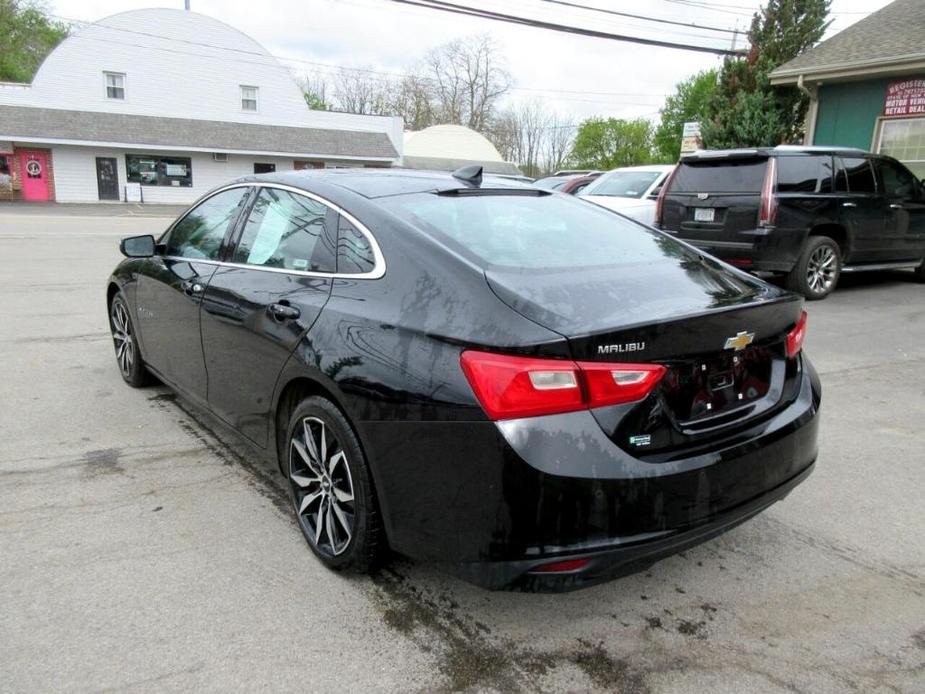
(33, 169)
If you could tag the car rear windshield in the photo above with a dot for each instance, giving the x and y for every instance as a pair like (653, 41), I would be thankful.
(622, 184)
(531, 231)
(726, 176)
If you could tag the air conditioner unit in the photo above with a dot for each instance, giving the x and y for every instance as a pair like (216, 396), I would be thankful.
(219, 156)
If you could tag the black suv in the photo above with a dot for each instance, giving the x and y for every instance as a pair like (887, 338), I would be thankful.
(809, 213)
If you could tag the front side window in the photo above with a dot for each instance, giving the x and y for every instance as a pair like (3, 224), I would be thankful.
(115, 85)
(154, 170)
(288, 231)
(898, 182)
(354, 251)
(248, 98)
(855, 175)
(200, 233)
(622, 184)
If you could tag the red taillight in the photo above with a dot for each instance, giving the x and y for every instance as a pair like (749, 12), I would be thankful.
(796, 337)
(767, 212)
(660, 201)
(559, 567)
(510, 387)
(612, 384)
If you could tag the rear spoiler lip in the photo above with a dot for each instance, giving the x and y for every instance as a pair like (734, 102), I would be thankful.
(720, 154)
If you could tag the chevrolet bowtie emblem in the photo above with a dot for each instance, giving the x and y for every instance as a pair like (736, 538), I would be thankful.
(740, 341)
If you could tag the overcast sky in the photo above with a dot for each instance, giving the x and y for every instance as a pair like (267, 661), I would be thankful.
(576, 76)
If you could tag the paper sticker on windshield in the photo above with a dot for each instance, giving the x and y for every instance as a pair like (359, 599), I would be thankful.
(641, 440)
(299, 263)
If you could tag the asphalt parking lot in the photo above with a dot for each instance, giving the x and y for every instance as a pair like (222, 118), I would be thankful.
(142, 547)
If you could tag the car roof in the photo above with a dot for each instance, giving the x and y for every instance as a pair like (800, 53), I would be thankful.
(746, 152)
(659, 168)
(378, 183)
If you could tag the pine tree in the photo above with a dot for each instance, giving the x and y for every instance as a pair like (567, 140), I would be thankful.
(745, 110)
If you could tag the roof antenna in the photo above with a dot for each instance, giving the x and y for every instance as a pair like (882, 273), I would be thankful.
(470, 174)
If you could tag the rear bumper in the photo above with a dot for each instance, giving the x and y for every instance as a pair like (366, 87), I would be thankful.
(624, 558)
(766, 249)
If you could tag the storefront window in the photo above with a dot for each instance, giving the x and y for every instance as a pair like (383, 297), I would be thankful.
(904, 139)
(149, 170)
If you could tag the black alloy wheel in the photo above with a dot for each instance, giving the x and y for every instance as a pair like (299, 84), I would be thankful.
(125, 343)
(331, 488)
(817, 270)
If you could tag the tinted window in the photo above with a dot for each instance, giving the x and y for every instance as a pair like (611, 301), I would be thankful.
(858, 175)
(898, 182)
(550, 183)
(802, 174)
(622, 184)
(730, 176)
(286, 230)
(531, 231)
(354, 251)
(200, 233)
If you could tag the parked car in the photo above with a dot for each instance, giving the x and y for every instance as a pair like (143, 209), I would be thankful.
(567, 183)
(518, 385)
(807, 213)
(631, 190)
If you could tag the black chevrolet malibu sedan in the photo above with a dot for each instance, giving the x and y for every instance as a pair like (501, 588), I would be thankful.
(526, 388)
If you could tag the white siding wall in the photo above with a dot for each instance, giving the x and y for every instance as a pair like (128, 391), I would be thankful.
(75, 173)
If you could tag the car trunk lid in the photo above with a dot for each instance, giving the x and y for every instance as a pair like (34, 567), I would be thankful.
(720, 333)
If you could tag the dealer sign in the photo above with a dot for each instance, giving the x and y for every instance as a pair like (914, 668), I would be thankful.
(905, 98)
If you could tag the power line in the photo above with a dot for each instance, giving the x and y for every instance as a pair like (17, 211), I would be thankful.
(315, 64)
(552, 26)
(638, 16)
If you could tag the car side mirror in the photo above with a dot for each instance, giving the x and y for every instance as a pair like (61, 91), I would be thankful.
(137, 246)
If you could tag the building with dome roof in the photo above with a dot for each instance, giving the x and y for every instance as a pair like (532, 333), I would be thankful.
(162, 105)
(448, 147)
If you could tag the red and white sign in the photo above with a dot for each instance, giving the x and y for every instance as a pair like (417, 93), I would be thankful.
(905, 98)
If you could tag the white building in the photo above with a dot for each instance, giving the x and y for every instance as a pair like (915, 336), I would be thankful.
(448, 147)
(175, 102)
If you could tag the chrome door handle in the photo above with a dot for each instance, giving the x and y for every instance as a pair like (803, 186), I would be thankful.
(849, 204)
(896, 206)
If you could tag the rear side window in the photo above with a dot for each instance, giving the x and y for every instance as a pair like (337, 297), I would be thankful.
(802, 174)
(286, 230)
(354, 251)
(855, 175)
(728, 176)
(532, 231)
(201, 232)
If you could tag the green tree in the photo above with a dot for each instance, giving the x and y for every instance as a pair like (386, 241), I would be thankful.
(608, 143)
(314, 101)
(745, 111)
(688, 103)
(27, 35)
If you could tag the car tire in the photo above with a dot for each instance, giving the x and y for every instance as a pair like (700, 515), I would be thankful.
(817, 270)
(331, 488)
(920, 272)
(125, 341)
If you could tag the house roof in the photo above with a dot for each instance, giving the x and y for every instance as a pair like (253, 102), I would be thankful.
(22, 123)
(887, 41)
